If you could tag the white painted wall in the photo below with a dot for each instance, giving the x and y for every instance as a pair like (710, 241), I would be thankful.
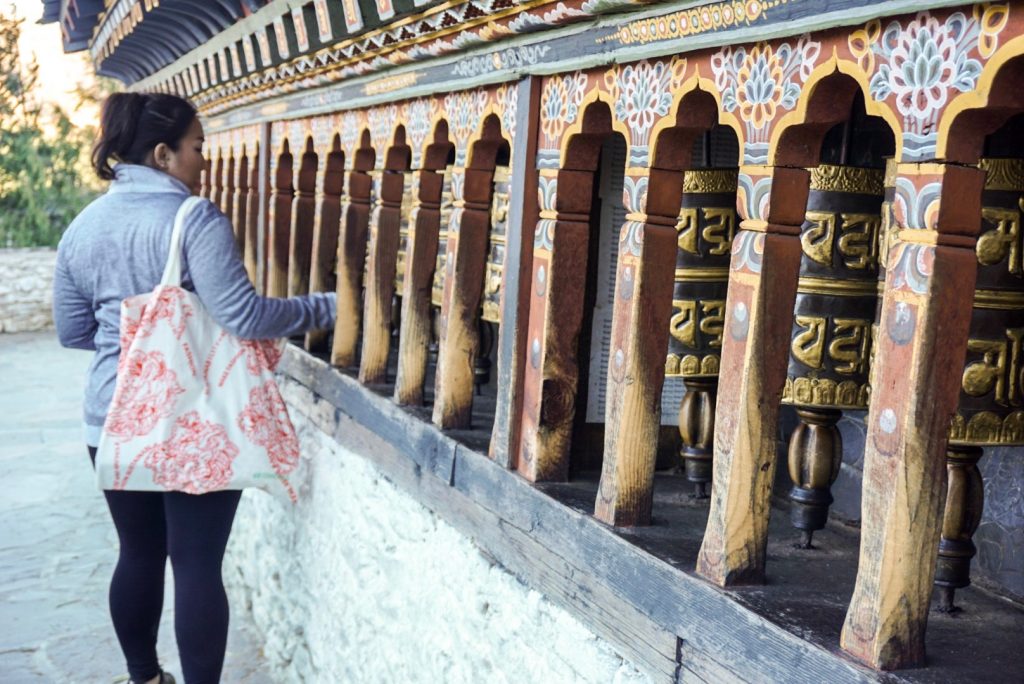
(360, 583)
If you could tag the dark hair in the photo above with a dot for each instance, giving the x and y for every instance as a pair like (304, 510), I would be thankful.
(132, 124)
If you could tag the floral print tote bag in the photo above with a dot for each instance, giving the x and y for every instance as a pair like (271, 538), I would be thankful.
(195, 409)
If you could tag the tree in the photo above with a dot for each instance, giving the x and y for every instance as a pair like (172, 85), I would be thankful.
(42, 186)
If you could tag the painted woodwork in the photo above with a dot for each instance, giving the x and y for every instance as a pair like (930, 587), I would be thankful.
(643, 295)
(490, 306)
(704, 234)
(304, 220)
(991, 389)
(325, 238)
(352, 240)
(831, 337)
(240, 204)
(427, 238)
(464, 273)
(921, 344)
(755, 347)
(522, 120)
(279, 224)
(382, 255)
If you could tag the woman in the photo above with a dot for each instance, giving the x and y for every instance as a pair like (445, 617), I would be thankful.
(117, 248)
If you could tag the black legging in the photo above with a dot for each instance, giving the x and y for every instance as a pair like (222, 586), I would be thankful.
(193, 530)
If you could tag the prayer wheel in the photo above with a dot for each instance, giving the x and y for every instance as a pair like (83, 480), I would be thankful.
(490, 306)
(437, 287)
(991, 406)
(832, 322)
(706, 226)
(490, 300)
(409, 192)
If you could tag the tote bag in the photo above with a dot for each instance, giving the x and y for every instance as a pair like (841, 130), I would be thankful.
(195, 408)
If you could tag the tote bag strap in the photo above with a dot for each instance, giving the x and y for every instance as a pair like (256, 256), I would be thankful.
(172, 271)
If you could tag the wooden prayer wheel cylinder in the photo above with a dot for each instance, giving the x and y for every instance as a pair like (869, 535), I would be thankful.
(411, 189)
(706, 226)
(831, 341)
(991, 407)
(437, 287)
(490, 299)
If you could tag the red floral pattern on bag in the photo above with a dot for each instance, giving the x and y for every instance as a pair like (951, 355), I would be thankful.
(265, 421)
(195, 459)
(146, 392)
(260, 355)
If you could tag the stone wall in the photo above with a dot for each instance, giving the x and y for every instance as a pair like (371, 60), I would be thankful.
(359, 582)
(26, 289)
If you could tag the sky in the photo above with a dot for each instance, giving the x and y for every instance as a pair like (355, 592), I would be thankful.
(59, 73)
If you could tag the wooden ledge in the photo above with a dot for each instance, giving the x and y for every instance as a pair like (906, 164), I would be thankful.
(635, 587)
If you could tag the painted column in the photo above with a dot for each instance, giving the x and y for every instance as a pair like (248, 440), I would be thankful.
(755, 350)
(556, 313)
(463, 285)
(920, 351)
(385, 227)
(636, 373)
(355, 218)
(420, 259)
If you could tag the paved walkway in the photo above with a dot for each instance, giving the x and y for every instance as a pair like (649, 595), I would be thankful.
(57, 544)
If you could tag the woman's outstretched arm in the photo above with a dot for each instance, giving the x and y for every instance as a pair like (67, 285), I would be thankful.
(216, 270)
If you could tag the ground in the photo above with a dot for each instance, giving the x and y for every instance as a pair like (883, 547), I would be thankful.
(57, 543)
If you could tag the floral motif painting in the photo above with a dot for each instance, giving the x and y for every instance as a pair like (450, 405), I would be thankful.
(559, 105)
(760, 83)
(921, 64)
(642, 94)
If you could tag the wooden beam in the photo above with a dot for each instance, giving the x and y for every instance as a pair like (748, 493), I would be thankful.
(919, 357)
(325, 241)
(460, 310)
(636, 372)
(755, 352)
(300, 245)
(420, 258)
(515, 288)
(355, 218)
(282, 196)
(385, 225)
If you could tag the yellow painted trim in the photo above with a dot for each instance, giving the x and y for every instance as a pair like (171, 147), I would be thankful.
(820, 73)
(690, 85)
(977, 98)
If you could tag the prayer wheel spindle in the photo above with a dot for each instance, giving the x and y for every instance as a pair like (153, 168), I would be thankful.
(831, 341)
(991, 408)
(706, 226)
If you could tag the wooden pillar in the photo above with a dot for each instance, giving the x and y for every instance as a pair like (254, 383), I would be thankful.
(384, 229)
(420, 257)
(227, 199)
(515, 290)
(463, 285)
(919, 358)
(755, 350)
(279, 225)
(253, 217)
(304, 219)
(636, 372)
(355, 217)
(325, 238)
(262, 196)
(560, 252)
(240, 207)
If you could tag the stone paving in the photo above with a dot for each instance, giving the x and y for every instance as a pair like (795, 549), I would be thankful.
(57, 543)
